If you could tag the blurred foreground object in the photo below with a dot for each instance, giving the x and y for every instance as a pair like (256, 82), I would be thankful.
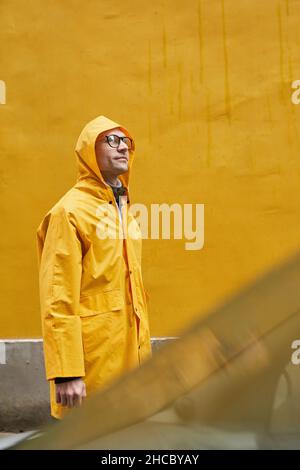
(218, 380)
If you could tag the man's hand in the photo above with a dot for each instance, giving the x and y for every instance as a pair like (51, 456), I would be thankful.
(70, 393)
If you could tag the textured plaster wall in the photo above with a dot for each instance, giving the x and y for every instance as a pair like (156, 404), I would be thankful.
(205, 88)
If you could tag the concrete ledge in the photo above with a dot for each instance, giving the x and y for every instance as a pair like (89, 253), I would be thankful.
(24, 390)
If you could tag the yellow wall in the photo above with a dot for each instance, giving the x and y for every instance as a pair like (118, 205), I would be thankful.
(205, 88)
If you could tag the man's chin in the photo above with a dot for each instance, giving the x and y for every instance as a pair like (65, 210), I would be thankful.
(122, 169)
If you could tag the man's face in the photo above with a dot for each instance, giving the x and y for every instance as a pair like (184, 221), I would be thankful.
(111, 161)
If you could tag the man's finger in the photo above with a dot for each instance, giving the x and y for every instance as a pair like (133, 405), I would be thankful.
(58, 398)
(70, 401)
(63, 400)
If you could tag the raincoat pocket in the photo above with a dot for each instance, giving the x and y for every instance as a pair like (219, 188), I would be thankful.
(101, 302)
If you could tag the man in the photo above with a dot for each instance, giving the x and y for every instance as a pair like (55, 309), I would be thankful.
(93, 303)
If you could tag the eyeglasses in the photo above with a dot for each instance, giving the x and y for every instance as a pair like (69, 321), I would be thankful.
(114, 140)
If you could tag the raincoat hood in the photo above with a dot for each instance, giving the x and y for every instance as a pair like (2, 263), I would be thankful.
(86, 155)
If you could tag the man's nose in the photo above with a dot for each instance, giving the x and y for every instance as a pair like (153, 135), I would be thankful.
(122, 146)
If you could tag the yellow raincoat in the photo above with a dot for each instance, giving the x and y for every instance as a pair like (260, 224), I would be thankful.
(93, 303)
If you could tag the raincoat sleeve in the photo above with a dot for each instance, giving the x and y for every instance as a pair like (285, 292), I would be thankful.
(60, 264)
